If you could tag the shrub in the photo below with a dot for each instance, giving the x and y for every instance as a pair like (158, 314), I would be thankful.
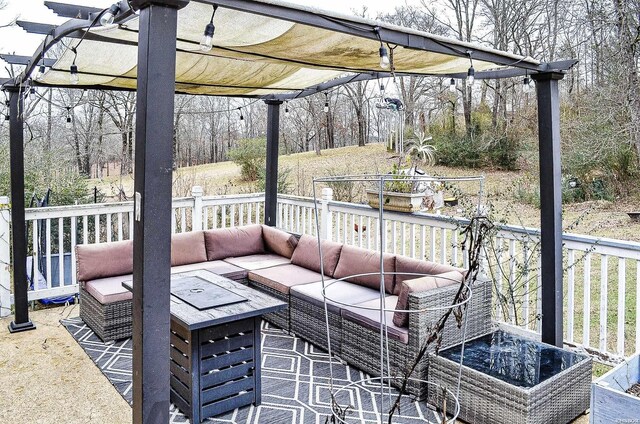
(250, 155)
(284, 186)
(344, 190)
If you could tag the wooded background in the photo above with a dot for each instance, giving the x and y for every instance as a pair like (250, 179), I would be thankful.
(492, 124)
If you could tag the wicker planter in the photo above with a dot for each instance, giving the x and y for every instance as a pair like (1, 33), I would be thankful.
(609, 401)
(515, 381)
(392, 201)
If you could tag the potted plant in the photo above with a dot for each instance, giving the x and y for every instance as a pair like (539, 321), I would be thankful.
(403, 192)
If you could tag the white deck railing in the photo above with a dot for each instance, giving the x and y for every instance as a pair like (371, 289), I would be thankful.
(602, 276)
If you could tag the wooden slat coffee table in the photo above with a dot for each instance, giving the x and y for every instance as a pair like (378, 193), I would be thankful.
(215, 353)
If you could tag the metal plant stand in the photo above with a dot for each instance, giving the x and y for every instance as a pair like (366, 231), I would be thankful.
(386, 398)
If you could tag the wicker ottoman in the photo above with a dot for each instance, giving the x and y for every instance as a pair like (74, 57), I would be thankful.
(509, 379)
(111, 321)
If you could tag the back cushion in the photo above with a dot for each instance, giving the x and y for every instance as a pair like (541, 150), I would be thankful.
(188, 248)
(233, 242)
(406, 266)
(104, 259)
(421, 284)
(278, 241)
(356, 260)
(306, 254)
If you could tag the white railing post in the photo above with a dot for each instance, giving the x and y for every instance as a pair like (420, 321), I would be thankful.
(196, 214)
(5, 258)
(326, 220)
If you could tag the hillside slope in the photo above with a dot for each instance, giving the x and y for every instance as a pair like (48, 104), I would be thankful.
(503, 189)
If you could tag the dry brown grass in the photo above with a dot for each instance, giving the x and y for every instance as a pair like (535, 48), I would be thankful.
(599, 218)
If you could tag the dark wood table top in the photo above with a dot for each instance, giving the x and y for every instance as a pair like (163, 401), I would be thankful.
(258, 303)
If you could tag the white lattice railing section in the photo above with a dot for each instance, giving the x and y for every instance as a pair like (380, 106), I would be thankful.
(53, 233)
(601, 284)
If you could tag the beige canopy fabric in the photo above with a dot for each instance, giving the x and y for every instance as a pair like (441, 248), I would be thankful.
(254, 55)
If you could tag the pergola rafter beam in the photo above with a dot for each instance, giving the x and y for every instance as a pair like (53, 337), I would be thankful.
(13, 59)
(75, 11)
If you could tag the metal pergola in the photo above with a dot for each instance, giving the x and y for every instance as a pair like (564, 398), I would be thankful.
(156, 86)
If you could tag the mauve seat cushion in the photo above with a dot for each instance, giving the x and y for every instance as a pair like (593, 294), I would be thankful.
(188, 248)
(283, 277)
(341, 291)
(104, 260)
(307, 256)
(259, 261)
(421, 284)
(278, 241)
(109, 290)
(356, 260)
(222, 268)
(224, 243)
(370, 318)
(407, 266)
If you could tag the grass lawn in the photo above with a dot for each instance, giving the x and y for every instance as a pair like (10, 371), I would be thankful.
(599, 218)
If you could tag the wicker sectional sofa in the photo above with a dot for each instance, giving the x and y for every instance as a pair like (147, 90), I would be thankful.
(289, 268)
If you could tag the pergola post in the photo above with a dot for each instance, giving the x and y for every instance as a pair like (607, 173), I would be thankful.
(152, 215)
(550, 206)
(21, 320)
(271, 179)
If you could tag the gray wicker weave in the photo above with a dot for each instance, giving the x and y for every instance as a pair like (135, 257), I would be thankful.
(361, 345)
(280, 318)
(308, 322)
(111, 321)
(487, 400)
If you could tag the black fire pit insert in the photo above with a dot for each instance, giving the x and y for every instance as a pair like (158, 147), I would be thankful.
(202, 294)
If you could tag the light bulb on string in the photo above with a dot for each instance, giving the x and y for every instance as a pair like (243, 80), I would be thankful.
(109, 16)
(206, 43)
(40, 73)
(69, 123)
(73, 76)
(241, 116)
(471, 76)
(286, 108)
(526, 84)
(385, 63)
(452, 85)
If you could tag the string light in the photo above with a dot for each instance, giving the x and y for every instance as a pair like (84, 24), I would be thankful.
(286, 108)
(109, 16)
(326, 103)
(471, 73)
(73, 75)
(382, 89)
(526, 84)
(471, 76)
(69, 123)
(40, 73)
(207, 38)
(452, 85)
(385, 62)
(241, 116)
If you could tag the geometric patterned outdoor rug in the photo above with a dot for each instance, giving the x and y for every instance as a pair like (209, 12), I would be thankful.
(295, 382)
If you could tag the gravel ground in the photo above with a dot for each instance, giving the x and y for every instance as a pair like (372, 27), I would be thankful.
(45, 377)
